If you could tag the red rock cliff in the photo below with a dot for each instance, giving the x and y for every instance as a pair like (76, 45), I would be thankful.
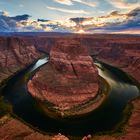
(15, 54)
(69, 78)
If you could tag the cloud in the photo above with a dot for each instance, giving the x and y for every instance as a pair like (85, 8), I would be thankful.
(43, 20)
(8, 23)
(121, 4)
(80, 20)
(71, 2)
(21, 17)
(23, 23)
(21, 5)
(67, 11)
(113, 22)
(130, 25)
(113, 17)
(135, 12)
(87, 2)
(65, 2)
(4, 13)
(128, 31)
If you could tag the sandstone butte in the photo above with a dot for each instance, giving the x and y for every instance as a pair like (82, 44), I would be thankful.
(68, 80)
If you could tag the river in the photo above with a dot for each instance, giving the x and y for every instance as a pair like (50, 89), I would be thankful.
(105, 118)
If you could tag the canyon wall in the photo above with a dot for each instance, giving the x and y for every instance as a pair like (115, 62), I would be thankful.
(17, 53)
(69, 79)
(120, 50)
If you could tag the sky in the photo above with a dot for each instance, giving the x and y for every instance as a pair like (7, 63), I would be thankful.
(70, 15)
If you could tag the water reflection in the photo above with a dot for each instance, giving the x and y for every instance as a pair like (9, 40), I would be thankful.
(39, 63)
(103, 119)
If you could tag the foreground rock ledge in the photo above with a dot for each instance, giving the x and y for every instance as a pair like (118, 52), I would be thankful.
(68, 81)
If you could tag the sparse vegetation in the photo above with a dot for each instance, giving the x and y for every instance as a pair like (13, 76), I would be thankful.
(4, 107)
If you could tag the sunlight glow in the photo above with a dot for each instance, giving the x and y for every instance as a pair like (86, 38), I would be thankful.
(81, 31)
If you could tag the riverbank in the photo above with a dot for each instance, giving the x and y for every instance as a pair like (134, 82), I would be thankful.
(120, 51)
(11, 126)
(132, 107)
(130, 129)
(77, 138)
(5, 106)
(80, 110)
(69, 82)
(24, 129)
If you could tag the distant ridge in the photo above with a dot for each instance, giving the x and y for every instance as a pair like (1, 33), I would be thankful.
(57, 34)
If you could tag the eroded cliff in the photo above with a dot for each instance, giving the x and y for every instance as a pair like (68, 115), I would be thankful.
(69, 79)
(15, 54)
(121, 51)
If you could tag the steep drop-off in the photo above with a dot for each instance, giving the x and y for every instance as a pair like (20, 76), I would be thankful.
(15, 54)
(119, 50)
(69, 79)
(122, 51)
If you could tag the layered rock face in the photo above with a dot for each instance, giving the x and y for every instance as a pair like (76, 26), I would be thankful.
(122, 51)
(119, 50)
(70, 78)
(15, 54)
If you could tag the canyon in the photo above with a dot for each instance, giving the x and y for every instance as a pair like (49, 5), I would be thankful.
(70, 78)
(120, 50)
(15, 54)
(18, 52)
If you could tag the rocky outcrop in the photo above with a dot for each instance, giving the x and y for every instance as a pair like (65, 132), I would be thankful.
(132, 131)
(13, 129)
(69, 79)
(122, 51)
(59, 137)
(15, 54)
(119, 50)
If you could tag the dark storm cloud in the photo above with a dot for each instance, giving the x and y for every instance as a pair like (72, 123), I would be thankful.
(132, 22)
(135, 12)
(112, 22)
(8, 23)
(43, 20)
(79, 20)
(21, 17)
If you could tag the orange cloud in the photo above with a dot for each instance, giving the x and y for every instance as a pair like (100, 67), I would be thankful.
(124, 5)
